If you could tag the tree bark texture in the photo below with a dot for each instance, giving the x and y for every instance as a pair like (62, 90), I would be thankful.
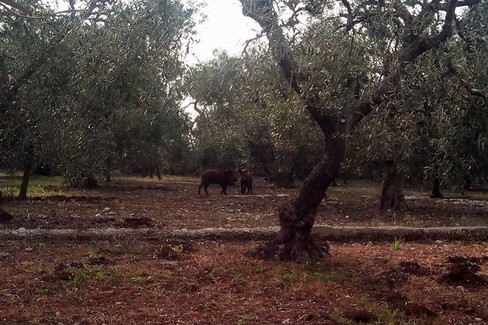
(297, 216)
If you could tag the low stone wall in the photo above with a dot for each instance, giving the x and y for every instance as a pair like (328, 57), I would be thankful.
(384, 233)
(388, 233)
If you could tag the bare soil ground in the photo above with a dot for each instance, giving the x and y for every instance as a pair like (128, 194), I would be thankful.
(169, 281)
(140, 202)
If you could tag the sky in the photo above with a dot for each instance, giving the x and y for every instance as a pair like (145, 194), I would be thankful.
(225, 28)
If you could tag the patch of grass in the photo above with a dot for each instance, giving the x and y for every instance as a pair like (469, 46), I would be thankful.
(241, 321)
(306, 274)
(239, 274)
(38, 186)
(35, 267)
(180, 179)
(9, 191)
(176, 251)
(385, 314)
(319, 272)
(330, 276)
(397, 243)
(94, 253)
(165, 179)
(115, 273)
(123, 249)
(204, 306)
(341, 319)
(291, 276)
(142, 279)
(262, 268)
(480, 196)
(360, 183)
(333, 197)
(97, 273)
(77, 275)
(393, 316)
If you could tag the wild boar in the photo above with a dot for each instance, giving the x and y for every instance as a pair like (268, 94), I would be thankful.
(217, 176)
(246, 181)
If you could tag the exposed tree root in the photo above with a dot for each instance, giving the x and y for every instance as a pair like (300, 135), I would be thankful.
(301, 249)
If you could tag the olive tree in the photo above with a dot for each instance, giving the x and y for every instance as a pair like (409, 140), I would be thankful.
(433, 126)
(399, 35)
(97, 85)
(245, 119)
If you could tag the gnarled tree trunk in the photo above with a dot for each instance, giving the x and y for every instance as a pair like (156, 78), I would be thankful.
(297, 217)
(392, 195)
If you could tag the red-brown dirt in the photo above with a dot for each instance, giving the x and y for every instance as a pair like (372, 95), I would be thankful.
(126, 203)
(140, 280)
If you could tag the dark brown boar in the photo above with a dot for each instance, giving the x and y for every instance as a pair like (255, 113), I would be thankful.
(217, 176)
(246, 181)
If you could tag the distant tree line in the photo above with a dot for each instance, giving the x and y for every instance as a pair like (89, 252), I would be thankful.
(100, 89)
(94, 90)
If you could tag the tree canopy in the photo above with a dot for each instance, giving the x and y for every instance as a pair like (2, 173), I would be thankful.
(371, 57)
(102, 83)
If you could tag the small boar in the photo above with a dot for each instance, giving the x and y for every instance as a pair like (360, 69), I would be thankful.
(246, 181)
(217, 176)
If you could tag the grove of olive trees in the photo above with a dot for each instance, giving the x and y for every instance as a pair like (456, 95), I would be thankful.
(326, 89)
(95, 89)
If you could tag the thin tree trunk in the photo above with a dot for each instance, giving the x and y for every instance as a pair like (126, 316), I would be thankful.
(26, 176)
(108, 169)
(158, 173)
(436, 189)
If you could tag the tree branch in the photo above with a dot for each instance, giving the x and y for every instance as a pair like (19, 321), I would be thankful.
(349, 16)
(49, 49)
(263, 13)
(409, 55)
(452, 70)
(14, 4)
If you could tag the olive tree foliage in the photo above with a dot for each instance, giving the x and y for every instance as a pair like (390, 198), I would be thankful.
(469, 68)
(393, 36)
(247, 118)
(128, 80)
(27, 45)
(434, 125)
(97, 89)
(216, 137)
